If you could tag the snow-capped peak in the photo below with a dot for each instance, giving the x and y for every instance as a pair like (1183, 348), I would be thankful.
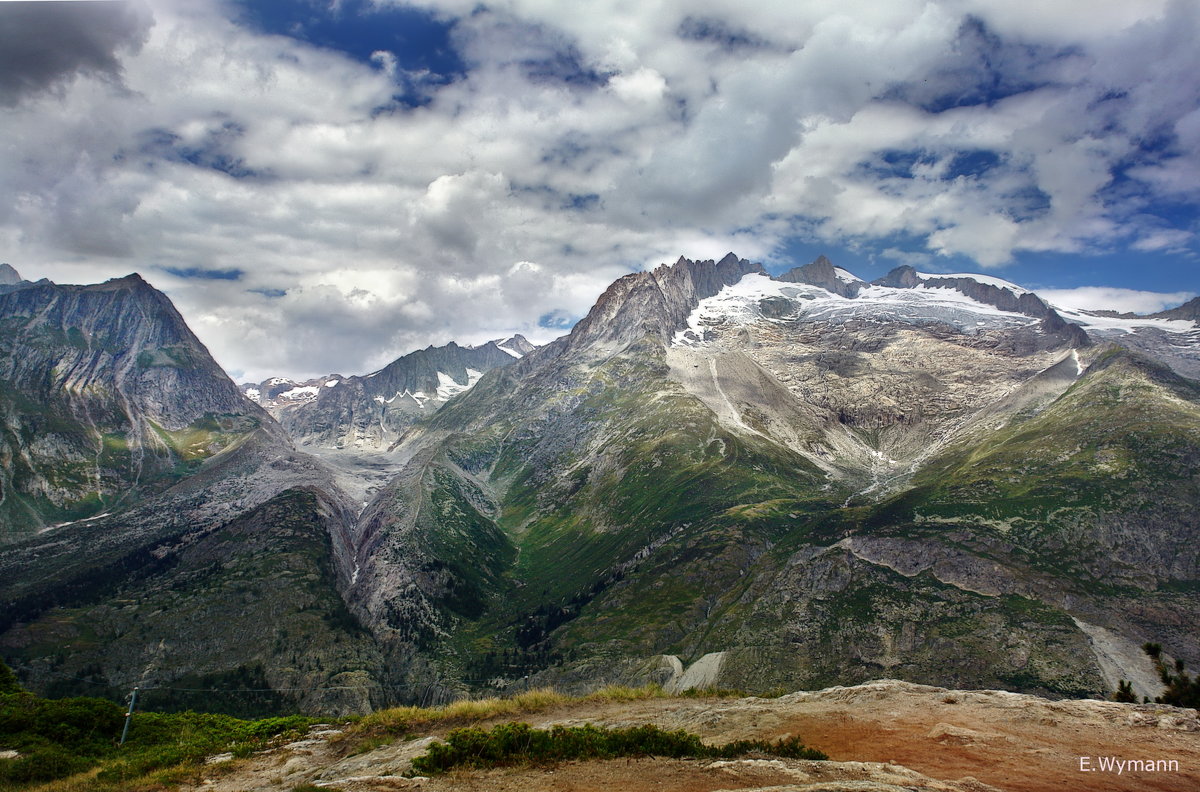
(517, 345)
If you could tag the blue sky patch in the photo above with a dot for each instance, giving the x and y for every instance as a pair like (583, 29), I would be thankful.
(557, 320)
(212, 152)
(272, 293)
(1029, 203)
(972, 164)
(565, 66)
(895, 163)
(231, 274)
(714, 31)
(419, 40)
(983, 69)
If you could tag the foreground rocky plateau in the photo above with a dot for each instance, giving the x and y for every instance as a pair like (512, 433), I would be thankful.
(881, 736)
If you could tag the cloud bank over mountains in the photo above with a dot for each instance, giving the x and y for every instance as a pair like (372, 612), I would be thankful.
(313, 208)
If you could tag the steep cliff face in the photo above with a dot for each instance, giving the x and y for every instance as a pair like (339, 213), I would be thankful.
(652, 303)
(1189, 311)
(821, 272)
(104, 392)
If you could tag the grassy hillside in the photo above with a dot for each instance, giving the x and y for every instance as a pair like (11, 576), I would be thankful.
(253, 601)
(616, 519)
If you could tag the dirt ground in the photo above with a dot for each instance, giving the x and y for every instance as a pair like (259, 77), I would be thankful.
(880, 736)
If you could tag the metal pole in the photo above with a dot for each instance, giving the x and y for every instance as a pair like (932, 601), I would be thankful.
(129, 715)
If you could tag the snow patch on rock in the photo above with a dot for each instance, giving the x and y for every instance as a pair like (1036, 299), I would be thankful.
(448, 388)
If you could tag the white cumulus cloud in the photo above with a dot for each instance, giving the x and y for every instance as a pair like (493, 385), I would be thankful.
(1095, 298)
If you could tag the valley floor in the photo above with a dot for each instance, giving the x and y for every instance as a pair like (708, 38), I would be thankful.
(880, 736)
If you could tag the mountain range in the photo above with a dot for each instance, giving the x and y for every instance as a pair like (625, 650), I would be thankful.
(718, 477)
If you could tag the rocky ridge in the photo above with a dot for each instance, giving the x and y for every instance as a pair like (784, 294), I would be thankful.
(1189, 311)
(372, 411)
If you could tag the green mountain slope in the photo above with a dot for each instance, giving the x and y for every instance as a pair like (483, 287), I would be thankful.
(161, 529)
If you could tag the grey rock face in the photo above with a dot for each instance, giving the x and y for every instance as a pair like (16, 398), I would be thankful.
(821, 273)
(517, 346)
(1190, 310)
(8, 276)
(653, 303)
(104, 390)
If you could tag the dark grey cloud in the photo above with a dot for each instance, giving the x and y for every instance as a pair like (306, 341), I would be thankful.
(43, 44)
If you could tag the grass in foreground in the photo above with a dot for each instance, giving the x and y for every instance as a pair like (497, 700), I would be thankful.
(398, 721)
(512, 744)
(75, 740)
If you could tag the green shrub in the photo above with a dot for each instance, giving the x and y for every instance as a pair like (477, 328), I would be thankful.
(82, 726)
(788, 748)
(520, 744)
(1179, 688)
(8, 680)
(1124, 692)
(43, 764)
(61, 737)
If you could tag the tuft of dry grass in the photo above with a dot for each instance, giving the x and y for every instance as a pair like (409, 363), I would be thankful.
(711, 692)
(405, 720)
(87, 782)
(626, 693)
(409, 720)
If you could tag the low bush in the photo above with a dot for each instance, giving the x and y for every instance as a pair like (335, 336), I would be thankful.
(82, 726)
(521, 744)
(44, 763)
(61, 737)
(1179, 688)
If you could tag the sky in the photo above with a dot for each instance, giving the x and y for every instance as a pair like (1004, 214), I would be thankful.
(322, 186)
